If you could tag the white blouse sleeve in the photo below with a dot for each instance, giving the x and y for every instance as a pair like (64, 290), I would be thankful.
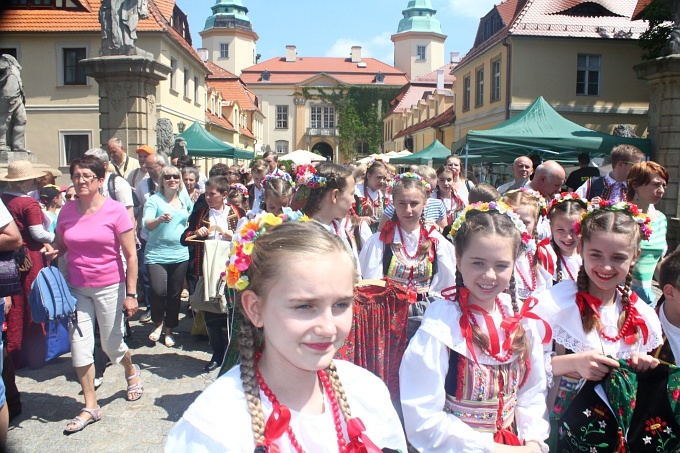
(370, 259)
(531, 406)
(428, 428)
(185, 438)
(446, 267)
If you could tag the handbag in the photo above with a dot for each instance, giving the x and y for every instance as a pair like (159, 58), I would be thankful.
(23, 259)
(10, 284)
(209, 294)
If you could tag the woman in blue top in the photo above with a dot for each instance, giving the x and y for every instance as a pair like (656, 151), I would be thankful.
(165, 217)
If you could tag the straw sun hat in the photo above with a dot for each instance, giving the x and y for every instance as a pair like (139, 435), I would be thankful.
(21, 170)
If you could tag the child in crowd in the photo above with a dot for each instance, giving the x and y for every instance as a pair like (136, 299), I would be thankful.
(328, 191)
(50, 197)
(469, 377)
(295, 289)
(238, 195)
(668, 308)
(595, 321)
(407, 252)
(445, 192)
(255, 190)
(484, 193)
(369, 201)
(531, 277)
(560, 256)
(278, 190)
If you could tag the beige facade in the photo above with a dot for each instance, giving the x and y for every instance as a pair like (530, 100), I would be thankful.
(408, 58)
(233, 52)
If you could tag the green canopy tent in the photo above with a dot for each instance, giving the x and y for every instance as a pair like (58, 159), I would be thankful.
(540, 129)
(436, 153)
(201, 143)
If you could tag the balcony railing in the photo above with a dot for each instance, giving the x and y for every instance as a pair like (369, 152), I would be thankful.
(322, 132)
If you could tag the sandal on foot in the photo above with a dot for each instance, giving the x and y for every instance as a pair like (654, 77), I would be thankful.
(136, 390)
(169, 340)
(156, 334)
(80, 423)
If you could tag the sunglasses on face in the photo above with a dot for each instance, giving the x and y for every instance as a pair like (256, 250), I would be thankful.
(169, 177)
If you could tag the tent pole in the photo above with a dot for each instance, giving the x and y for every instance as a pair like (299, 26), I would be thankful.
(467, 153)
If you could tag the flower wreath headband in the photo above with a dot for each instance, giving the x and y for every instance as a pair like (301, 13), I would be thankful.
(241, 188)
(567, 196)
(284, 176)
(306, 175)
(628, 208)
(528, 242)
(408, 175)
(242, 246)
(543, 208)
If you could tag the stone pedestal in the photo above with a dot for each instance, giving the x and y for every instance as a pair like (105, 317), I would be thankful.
(127, 97)
(663, 77)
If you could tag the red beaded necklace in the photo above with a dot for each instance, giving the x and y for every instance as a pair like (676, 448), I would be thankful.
(403, 243)
(493, 334)
(565, 266)
(624, 328)
(533, 274)
(328, 389)
(377, 202)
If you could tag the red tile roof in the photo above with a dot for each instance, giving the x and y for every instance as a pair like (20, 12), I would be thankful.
(304, 68)
(219, 121)
(640, 7)
(448, 117)
(57, 20)
(231, 87)
(218, 72)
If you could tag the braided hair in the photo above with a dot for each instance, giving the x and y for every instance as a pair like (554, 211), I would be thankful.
(566, 208)
(336, 178)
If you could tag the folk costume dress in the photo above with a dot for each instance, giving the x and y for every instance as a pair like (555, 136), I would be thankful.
(344, 229)
(530, 279)
(560, 308)
(368, 203)
(451, 389)
(226, 427)
(560, 267)
(453, 205)
(393, 253)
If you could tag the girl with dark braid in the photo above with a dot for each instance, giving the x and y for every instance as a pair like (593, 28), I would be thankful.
(294, 285)
(467, 381)
(595, 321)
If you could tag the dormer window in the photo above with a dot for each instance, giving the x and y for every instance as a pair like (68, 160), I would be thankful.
(380, 77)
(266, 76)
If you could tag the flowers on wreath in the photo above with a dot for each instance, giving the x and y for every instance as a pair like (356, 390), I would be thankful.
(567, 196)
(632, 210)
(278, 175)
(241, 188)
(409, 175)
(528, 242)
(306, 175)
(242, 245)
(244, 170)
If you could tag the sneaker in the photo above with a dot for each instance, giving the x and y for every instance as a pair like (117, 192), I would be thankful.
(98, 381)
(146, 317)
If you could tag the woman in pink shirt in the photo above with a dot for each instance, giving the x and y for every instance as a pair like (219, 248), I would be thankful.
(93, 230)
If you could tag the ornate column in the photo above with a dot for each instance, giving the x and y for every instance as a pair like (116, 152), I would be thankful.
(127, 97)
(663, 77)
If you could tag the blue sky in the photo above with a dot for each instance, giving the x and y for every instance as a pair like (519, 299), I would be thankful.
(330, 28)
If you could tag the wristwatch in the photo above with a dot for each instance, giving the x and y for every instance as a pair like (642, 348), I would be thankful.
(133, 295)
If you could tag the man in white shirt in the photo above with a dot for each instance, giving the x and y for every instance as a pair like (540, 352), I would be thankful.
(122, 163)
(548, 180)
(521, 168)
(272, 159)
(122, 192)
(136, 176)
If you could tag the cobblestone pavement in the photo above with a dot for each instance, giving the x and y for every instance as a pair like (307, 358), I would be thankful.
(51, 396)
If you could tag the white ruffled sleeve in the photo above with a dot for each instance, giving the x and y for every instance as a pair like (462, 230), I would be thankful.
(371, 258)
(446, 266)
(185, 438)
(428, 428)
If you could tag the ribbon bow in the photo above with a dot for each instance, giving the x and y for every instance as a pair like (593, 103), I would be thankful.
(545, 257)
(358, 440)
(511, 324)
(584, 300)
(387, 232)
(277, 424)
(636, 322)
(464, 321)
(435, 242)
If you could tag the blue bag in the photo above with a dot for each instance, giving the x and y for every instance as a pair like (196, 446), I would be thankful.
(51, 303)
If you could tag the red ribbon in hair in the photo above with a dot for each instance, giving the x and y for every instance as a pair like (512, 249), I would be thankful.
(511, 324)
(584, 300)
(277, 424)
(387, 232)
(545, 257)
(358, 440)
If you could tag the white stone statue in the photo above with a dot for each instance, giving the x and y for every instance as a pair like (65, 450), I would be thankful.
(12, 110)
(119, 19)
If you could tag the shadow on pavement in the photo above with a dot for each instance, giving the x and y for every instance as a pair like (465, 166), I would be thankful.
(61, 366)
(170, 365)
(175, 405)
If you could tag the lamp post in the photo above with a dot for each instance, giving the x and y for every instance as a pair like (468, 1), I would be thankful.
(181, 126)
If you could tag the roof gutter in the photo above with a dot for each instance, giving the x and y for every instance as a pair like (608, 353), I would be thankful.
(508, 75)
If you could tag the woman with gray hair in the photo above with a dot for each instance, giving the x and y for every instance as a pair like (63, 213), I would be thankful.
(165, 218)
(191, 176)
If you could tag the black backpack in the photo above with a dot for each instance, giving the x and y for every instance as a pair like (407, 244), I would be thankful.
(136, 205)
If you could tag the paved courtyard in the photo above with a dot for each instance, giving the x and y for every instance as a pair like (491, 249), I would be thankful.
(173, 378)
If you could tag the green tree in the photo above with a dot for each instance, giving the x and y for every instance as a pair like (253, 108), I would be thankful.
(660, 18)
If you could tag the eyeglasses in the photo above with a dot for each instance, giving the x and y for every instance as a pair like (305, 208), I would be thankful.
(86, 178)
(169, 177)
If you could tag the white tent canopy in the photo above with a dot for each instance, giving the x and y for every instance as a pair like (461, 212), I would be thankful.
(301, 157)
(384, 157)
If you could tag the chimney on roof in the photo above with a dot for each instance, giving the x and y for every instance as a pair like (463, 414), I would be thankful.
(455, 57)
(440, 80)
(356, 54)
(203, 53)
(291, 52)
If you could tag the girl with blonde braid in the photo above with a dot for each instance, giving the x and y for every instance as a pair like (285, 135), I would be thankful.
(294, 284)
(467, 378)
(595, 321)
